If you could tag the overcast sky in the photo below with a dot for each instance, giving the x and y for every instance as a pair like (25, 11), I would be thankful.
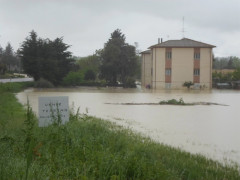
(87, 24)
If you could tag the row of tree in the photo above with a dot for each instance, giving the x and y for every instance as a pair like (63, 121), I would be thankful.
(231, 62)
(9, 61)
(226, 77)
(116, 63)
(220, 63)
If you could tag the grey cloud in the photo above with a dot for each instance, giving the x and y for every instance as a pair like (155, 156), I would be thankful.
(87, 24)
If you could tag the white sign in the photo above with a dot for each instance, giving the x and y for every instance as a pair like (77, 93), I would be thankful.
(53, 109)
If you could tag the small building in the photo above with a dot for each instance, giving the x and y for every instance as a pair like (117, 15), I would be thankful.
(167, 65)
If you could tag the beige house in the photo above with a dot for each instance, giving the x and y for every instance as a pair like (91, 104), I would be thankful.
(167, 65)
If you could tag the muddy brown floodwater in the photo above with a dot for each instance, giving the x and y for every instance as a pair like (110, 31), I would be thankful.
(213, 130)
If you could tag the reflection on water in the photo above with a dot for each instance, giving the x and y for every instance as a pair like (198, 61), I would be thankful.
(210, 130)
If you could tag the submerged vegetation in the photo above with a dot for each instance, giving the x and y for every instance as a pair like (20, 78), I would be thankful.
(175, 102)
(89, 148)
(181, 102)
(188, 84)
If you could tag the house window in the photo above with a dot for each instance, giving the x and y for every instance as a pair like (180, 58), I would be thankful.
(168, 72)
(196, 72)
(168, 55)
(197, 56)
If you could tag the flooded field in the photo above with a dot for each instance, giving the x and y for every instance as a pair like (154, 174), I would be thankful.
(211, 130)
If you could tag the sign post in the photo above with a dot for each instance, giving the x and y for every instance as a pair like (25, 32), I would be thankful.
(53, 110)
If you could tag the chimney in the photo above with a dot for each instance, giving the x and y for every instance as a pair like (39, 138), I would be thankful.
(161, 40)
(158, 40)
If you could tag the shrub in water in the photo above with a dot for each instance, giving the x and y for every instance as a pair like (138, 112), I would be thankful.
(188, 84)
(174, 102)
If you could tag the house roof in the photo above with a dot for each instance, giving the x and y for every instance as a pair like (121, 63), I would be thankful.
(183, 43)
(146, 52)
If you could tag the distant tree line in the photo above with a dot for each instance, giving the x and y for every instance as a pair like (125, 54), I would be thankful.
(50, 62)
(231, 62)
(220, 77)
(117, 63)
(9, 61)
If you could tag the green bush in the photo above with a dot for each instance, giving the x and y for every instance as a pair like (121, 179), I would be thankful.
(43, 83)
(174, 102)
(73, 78)
(219, 77)
(89, 75)
(188, 84)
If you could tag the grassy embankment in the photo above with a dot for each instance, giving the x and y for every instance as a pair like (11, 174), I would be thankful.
(89, 148)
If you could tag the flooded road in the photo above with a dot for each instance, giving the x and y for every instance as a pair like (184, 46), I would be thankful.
(213, 131)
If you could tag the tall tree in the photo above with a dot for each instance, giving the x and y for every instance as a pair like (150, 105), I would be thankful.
(2, 65)
(9, 58)
(1, 54)
(43, 58)
(231, 62)
(118, 59)
(236, 74)
(236, 62)
(29, 55)
(1, 51)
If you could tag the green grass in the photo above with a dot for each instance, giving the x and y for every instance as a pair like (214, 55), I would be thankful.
(14, 87)
(12, 113)
(91, 148)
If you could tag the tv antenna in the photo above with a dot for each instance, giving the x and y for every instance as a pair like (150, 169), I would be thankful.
(183, 29)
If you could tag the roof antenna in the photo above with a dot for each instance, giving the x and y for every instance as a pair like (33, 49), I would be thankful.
(183, 30)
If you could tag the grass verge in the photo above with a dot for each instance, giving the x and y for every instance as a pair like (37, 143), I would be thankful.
(90, 148)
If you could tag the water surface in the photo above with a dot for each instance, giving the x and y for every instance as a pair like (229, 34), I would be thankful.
(213, 131)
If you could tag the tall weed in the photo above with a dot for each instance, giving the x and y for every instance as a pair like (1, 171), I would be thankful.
(30, 140)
